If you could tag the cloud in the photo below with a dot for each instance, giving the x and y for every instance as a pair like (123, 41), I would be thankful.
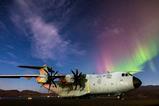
(46, 41)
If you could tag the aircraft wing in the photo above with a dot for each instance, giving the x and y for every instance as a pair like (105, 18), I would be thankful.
(19, 76)
(32, 75)
(32, 67)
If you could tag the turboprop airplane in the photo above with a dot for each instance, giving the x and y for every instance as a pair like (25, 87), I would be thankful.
(78, 84)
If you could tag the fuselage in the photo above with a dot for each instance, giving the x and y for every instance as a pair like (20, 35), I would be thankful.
(116, 82)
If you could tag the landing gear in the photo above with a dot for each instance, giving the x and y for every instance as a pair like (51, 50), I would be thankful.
(121, 96)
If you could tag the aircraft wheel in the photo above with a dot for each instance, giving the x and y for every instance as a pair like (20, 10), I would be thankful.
(120, 97)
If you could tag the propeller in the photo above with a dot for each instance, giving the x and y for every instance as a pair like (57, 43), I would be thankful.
(79, 78)
(49, 70)
(51, 78)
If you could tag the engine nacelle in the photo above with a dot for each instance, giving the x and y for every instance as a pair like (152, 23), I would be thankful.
(42, 79)
(69, 78)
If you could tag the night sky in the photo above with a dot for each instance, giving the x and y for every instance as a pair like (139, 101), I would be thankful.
(91, 35)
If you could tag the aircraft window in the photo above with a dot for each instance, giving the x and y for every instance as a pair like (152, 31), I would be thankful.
(123, 74)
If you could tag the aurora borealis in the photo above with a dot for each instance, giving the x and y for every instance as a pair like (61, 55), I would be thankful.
(132, 41)
(93, 36)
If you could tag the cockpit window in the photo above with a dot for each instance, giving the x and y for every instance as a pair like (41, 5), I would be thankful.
(124, 74)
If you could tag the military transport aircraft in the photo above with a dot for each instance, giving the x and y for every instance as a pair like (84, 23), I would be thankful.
(78, 84)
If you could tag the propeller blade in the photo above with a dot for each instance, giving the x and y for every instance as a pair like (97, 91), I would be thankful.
(54, 83)
(50, 69)
(73, 72)
(51, 73)
(77, 72)
(46, 72)
(49, 86)
(80, 74)
(55, 73)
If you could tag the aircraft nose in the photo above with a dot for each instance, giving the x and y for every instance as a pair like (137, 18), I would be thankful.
(136, 82)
